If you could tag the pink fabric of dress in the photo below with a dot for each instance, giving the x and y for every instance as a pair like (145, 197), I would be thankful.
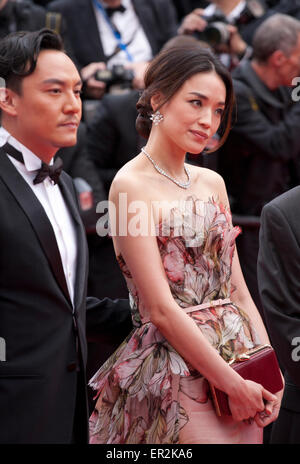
(147, 393)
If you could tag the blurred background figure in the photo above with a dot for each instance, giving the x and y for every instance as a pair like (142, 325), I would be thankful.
(89, 187)
(260, 160)
(228, 26)
(26, 15)
(20, 15)
(290, 7)
(113, 40)
(278, 271)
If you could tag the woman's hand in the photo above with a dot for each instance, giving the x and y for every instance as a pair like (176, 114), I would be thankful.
(250, 399)
(270, 412)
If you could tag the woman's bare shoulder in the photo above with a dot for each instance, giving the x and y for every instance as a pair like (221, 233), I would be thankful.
(130, 179)
(207, 176)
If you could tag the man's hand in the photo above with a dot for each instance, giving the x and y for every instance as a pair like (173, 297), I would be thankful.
(94, 88)
(139, 73)
(193, 22)
(235, 46)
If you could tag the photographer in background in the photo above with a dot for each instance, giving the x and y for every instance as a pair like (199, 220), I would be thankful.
(108, 33)
(261, 157)
(228, 26)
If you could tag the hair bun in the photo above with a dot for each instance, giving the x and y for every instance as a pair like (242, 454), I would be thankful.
(143, 122)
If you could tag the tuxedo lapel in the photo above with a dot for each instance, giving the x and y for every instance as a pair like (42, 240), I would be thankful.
(66, 186)
(145, 14)
(88, 23)
(37, 217)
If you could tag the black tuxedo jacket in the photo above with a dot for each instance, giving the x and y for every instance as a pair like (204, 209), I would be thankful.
(279, 285)
(157, 17)
(40, 385)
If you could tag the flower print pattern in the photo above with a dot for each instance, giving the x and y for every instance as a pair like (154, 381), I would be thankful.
(139, 386)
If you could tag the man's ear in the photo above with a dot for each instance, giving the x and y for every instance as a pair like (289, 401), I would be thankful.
(8, 101)
(278, 58)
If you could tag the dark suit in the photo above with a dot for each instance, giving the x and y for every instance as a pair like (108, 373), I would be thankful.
(77, 163)
(292, 8)
(43, 385)
(79, 166)
(112, 139)
(260, 159)
(157, 17)
(21, 16)
(279, 285)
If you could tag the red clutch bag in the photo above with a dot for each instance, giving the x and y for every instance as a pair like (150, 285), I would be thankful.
(259, 365)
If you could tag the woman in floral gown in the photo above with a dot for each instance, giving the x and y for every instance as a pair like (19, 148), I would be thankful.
(175, 244)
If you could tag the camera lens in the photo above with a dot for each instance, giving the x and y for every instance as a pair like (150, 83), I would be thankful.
(104, 75)
(217, 33)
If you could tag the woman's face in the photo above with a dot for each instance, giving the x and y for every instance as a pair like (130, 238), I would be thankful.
(192, 116)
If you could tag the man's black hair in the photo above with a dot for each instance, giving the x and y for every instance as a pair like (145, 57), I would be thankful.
(19, 52)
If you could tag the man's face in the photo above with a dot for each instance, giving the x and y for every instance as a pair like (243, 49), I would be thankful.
(48, 110)
(291, 66)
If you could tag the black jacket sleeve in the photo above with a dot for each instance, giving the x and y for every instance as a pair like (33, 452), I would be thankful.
(102, 141)
(278, 141)
(107, 316)
(279, 285)
(78, 163)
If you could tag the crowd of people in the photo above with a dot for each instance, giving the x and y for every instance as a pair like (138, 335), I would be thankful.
(143, 71)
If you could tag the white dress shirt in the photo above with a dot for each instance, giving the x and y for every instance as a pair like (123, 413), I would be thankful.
(51, 199)
(129, 26)
(232, 16)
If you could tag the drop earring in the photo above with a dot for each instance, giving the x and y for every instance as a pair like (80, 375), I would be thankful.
(156, 117)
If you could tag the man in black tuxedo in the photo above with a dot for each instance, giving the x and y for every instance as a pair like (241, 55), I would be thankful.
(144, 27)
(43, 258)
(279, 285)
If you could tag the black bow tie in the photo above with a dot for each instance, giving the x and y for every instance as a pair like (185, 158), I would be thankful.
(111, 11)
(53, 171)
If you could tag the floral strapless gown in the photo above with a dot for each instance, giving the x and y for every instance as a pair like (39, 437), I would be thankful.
(147, 393)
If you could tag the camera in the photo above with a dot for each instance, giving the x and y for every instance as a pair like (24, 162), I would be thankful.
(216, 31)
(118, 76)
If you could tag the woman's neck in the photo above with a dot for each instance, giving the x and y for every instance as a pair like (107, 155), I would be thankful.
(167, 156)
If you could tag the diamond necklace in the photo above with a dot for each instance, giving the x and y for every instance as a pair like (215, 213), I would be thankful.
(183, 185)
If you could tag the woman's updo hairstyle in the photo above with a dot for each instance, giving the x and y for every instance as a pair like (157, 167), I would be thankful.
(169, 70)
